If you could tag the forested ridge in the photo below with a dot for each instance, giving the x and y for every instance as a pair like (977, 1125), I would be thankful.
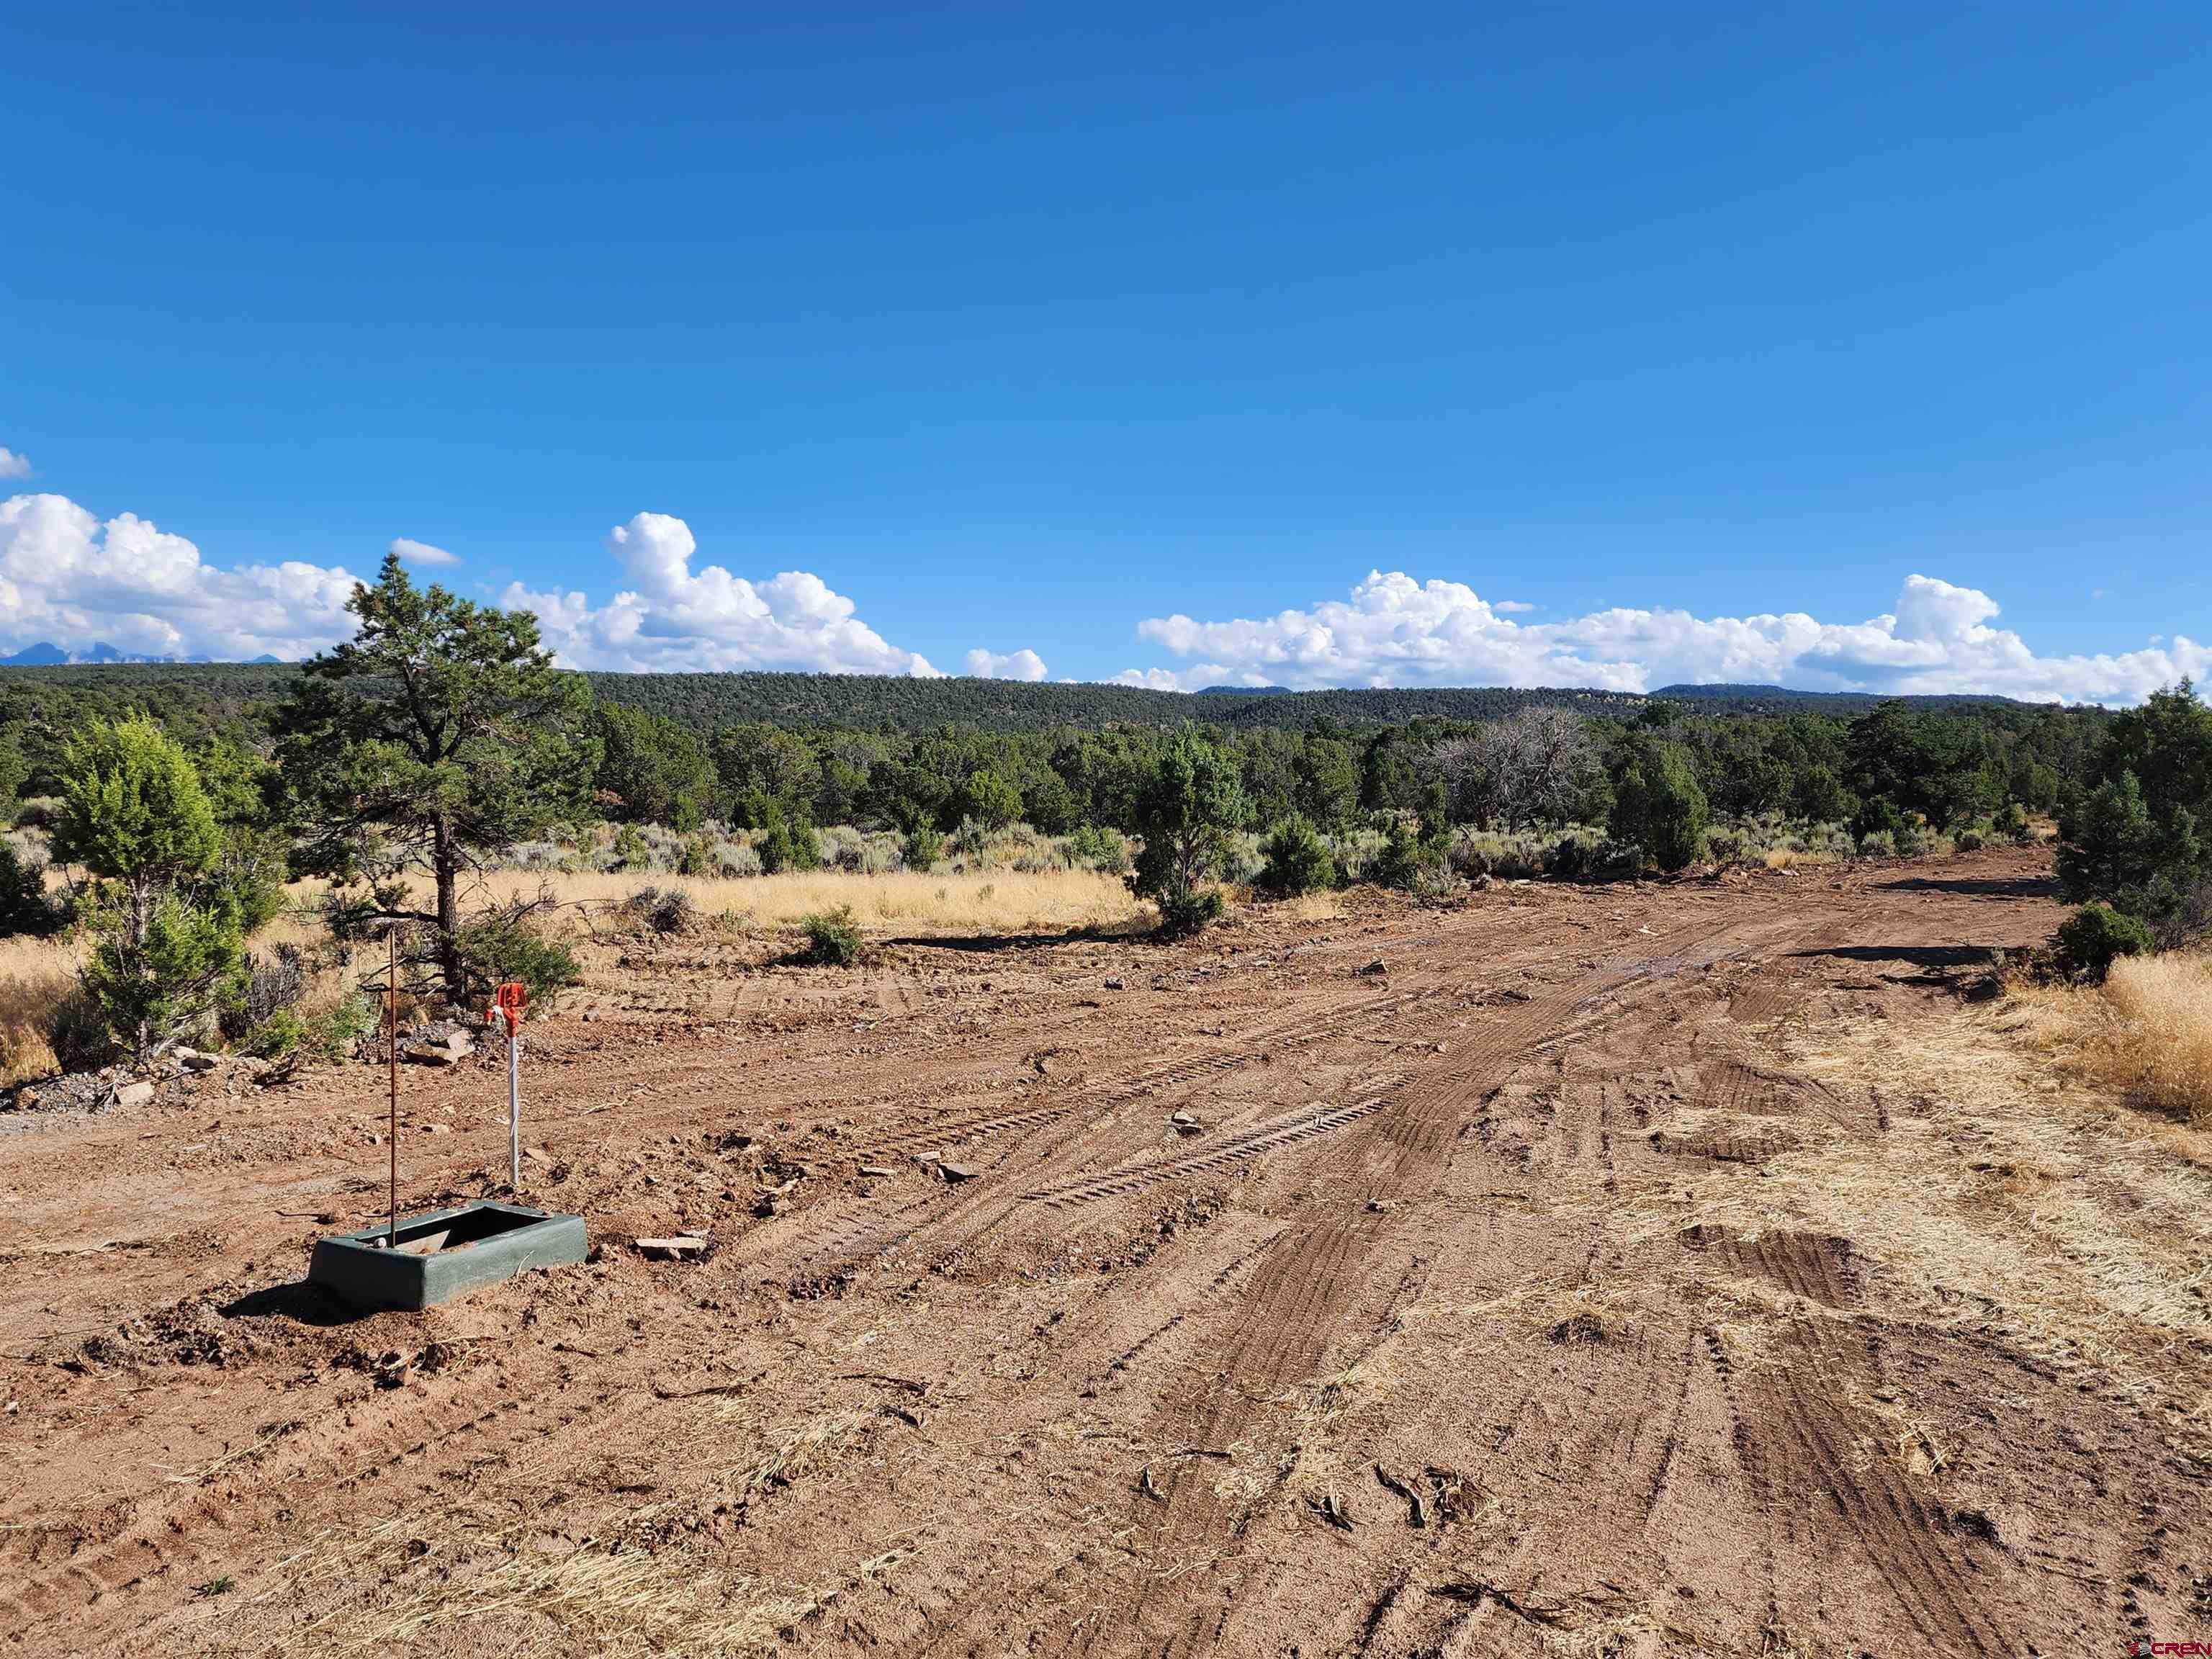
(203, 696)
(684, 749)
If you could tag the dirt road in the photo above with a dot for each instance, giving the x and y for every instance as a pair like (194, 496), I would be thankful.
(1679, 1269)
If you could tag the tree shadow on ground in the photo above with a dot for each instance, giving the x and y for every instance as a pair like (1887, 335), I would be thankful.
(992, 943)
(1994, 887)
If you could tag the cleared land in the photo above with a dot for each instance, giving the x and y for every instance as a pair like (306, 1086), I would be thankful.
(1677, 1268)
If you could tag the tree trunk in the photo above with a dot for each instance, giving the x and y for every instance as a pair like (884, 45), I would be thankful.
(445, 861)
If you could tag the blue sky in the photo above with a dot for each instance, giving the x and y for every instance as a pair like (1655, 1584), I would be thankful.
(1018, 331)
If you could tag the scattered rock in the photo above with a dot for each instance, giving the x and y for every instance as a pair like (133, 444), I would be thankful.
(1185, 1124)
(1381, 1205)
(681, 1247)
(1113, 983)
(1375, 969)
(194, 1060)
(955, 1172)
(135, 1094)
(876, 1171)
(437, 1128)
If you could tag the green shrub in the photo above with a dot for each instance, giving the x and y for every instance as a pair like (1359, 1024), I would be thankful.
(922, 846)
(2088, 942)
(1410, 861)
(1659, 806)
(1188, 912)
(630, 850)
(787, 846)
(332, 1033)
(833, 939)
(2012, 823)
(1297, 859)
(497, 949)
(1878, 844)
(1099, 847)
(24, 906)
(279, 1035)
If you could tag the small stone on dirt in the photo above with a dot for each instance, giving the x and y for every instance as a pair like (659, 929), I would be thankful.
(1375, 968)
(135, 1094)
(194, 1060)
(955, 1172)
(1113, 983)
(876, 1171)
(681, 1247)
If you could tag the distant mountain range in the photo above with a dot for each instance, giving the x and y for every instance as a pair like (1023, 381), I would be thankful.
(45, 654)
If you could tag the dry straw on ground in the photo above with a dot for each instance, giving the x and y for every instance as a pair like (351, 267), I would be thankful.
(2146, 1032)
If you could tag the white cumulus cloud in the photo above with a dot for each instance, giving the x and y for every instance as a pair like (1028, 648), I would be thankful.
(1393, 630)
(420, 553)
(1022, 664)
(672, 618)
(13, 465)
(68, 578)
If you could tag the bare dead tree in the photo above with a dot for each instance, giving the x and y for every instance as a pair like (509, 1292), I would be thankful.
(1530, 767)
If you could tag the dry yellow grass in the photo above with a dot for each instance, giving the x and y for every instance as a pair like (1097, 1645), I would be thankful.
(35, 974)
(986, 900)
(1782, 858)
(2146, 1032)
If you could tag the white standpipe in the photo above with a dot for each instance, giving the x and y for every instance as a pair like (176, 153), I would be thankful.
(514, 1108)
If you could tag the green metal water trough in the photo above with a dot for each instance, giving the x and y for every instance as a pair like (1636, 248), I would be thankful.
(434, 1258)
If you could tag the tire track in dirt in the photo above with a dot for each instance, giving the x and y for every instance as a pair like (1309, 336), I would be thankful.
(1897, 1533)
(1280, 1334)
(176, 1536)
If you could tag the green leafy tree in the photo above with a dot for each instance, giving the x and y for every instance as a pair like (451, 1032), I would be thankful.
(990, 800)
(440, 733)
(1328, 790)
(14, 772)
(655, 767)
(1193, 802)
(1658, 805)
(136, 819)
(762, 770)
(2109, 846)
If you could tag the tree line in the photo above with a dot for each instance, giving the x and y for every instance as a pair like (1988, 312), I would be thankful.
(442, 733)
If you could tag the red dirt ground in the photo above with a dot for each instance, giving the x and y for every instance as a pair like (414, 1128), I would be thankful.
(1677, 1268)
